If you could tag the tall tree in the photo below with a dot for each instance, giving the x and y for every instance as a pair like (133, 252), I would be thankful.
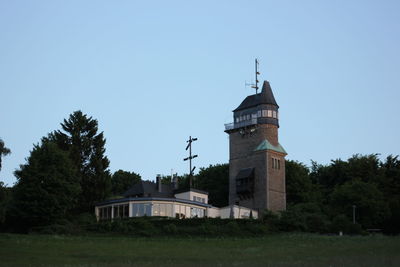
(299, 188)
(123, 180)
(371, 208)
(215, 180)
(4, 151)
(5, 194)
(390, 187)
(47, 187)
(86, 147)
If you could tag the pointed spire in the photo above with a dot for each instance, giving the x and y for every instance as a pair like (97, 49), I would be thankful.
(265, 97)
(266, 94)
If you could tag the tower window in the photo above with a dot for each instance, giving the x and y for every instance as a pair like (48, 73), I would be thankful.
(259, 113)
(270, 113)
(274, 114)
(264, 113)
(276, 164)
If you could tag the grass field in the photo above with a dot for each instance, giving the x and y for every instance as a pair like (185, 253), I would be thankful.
(274, 250)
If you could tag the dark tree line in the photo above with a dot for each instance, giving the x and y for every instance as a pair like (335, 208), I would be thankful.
(65, 175)
(329, 193)
(320, 198)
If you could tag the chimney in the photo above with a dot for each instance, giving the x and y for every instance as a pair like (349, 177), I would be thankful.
(158, 182)
(175, 182)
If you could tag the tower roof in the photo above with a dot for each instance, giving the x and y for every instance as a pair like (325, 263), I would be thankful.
(265, 97)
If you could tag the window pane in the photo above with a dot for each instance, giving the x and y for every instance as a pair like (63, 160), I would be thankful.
(126, 210)
(169, 210)
(156, 209)
(147, 209)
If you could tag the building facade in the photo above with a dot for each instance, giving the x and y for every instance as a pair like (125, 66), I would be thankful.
(147, 198)
(256, 159)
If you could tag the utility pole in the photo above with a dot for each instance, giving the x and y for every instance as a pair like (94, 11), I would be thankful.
(189, 146)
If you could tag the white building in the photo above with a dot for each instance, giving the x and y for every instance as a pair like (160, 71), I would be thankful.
(155, 199)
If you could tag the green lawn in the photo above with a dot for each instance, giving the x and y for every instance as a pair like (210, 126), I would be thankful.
(274, 250)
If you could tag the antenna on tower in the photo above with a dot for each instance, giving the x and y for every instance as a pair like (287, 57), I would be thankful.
(255, 86)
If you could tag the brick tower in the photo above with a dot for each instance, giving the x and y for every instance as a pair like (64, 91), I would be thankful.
(256, 159)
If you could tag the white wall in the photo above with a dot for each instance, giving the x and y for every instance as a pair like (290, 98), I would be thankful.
(213, 212)
(238, 212)
(188, 195)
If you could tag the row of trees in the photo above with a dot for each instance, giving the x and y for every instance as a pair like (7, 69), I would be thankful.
(321, 196)
(363, 184)
(65, 174)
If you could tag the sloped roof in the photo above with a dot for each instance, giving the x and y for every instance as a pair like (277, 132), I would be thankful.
(245, 173)
(148, 188)
(266, 145)
(265, 97)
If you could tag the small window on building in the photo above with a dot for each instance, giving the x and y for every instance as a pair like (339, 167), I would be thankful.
(274, 114)
(264, 113)
(269, 114)
(279, 164)
(259, 113)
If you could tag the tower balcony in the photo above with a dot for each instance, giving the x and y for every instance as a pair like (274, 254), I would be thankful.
(236, 125)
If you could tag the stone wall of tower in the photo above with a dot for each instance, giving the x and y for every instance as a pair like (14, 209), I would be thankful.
(259, 198)
(269, 132)
(276, 182)
(269, 183)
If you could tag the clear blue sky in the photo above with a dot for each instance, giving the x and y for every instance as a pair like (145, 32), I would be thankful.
(154, 72)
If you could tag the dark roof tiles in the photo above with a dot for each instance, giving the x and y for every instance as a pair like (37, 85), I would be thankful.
(265, 97)
(148, 188)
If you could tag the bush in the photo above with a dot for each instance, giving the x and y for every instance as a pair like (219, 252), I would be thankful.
(317, 223)
(355, 229)
(232, 228)
(271, 220)
(340, 224)
(170, 229)
(292, 220)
